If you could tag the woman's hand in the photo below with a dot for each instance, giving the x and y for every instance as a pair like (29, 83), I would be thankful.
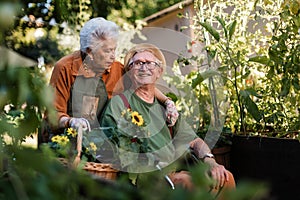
(66, 122)
(171, 112)
(76, 122)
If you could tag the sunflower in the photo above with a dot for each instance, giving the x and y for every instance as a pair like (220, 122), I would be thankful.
(63, 140)
(72, 132)
(55, 138)
(137, 119)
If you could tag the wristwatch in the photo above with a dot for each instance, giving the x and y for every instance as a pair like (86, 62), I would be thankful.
(208, 155)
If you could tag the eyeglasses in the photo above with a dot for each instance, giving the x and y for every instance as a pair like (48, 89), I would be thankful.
(148, 64)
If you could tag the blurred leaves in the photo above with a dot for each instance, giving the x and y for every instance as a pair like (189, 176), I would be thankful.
(7, 12)
(25, 96)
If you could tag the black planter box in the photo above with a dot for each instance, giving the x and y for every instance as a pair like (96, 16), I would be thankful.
(271, 160)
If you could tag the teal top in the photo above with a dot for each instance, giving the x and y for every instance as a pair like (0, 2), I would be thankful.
(162, 147)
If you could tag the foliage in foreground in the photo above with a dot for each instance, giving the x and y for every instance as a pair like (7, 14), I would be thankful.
(32, 174)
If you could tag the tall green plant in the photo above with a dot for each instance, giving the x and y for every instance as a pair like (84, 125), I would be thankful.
(233, 33)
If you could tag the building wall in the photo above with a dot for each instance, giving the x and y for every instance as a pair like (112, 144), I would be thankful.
(172, 21)
(164, 32)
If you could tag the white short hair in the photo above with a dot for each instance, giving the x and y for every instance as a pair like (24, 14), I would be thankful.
(96, 30)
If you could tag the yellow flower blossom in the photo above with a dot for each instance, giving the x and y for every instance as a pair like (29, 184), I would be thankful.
(137, 119)
(63, 140)
(72, 132)
(55, 138)
(93, 146)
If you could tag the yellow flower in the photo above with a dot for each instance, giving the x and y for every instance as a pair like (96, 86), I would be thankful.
(55, 138)
(137, 119)
(72, 132)
(93, 146)
(63, 140)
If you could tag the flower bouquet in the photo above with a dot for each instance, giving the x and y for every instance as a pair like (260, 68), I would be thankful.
(131, 140)
(63, 144)
(84, 149)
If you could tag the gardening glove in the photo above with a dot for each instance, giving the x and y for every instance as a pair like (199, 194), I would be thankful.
(76, 122)
(171, 112)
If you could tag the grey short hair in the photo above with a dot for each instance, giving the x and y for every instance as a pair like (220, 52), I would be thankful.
(95, 30)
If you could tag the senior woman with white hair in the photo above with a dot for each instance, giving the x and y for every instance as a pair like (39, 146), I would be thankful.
(84, 80)
(145, 64)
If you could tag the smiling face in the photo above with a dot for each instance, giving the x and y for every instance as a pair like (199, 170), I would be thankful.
(103, 55)
(141, 72)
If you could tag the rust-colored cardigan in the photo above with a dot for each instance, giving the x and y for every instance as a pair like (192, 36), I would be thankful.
(68, 68)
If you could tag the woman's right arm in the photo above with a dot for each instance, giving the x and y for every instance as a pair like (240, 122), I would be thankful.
(61, 80)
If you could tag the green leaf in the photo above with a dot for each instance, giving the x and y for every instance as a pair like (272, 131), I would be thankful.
(222, 22)
(211, 30)
(296, 83)
(250, 105)
(223, 68)
(294, 7)
(296, 21)
(211, 54)
(238, 55)
(246, 74)
(231, 28)
(202, 76)
(273, 54)
(251, 91)
(285, 87)
(260, 59)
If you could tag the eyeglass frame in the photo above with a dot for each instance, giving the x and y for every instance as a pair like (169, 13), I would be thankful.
(145, 63)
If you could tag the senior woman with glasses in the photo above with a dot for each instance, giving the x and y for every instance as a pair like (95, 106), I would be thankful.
(145, 64)
(84, 80)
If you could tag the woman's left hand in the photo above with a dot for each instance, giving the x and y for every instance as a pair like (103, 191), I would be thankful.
(171, 112)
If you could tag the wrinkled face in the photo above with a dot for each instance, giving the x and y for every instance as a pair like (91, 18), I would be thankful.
(103, 55)
(145, 68)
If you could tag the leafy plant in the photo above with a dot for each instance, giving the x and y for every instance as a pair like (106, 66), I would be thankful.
(282, 79)
(260, 88)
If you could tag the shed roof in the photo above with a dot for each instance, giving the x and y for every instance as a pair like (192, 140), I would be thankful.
(167, 10)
